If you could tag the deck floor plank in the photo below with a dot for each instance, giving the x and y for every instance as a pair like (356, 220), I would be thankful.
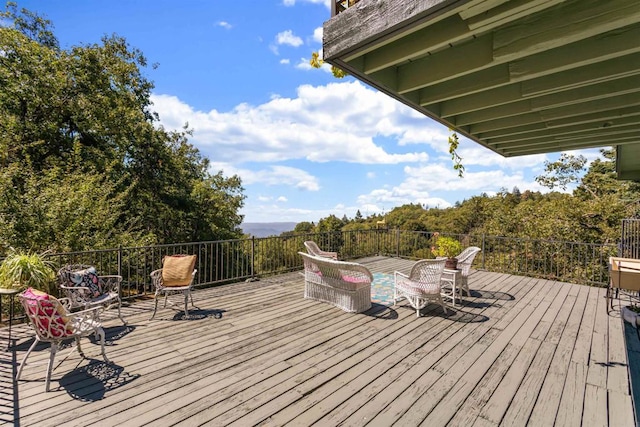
(517, 351)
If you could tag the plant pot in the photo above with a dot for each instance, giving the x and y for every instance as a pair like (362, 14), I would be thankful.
(451, 263)
(630, 316)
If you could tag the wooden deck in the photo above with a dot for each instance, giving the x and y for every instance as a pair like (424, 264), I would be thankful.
(518, 351)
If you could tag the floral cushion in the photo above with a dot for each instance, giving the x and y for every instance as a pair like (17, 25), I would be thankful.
(87, 278)
(49, 318)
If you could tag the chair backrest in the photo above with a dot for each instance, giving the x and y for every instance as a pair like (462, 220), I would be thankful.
(427, 270)
(47, 315)
(314, 249)
(64, 274)
(465, 259)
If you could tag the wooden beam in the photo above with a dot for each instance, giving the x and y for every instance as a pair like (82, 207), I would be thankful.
(563, 24)
(558, 146)
(417, 44)
(463, 59)
(597, 134)
(567, 130)
(478, 82)
(555, 83)
(506, 12)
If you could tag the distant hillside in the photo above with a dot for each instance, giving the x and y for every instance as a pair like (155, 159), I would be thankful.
(266, 229)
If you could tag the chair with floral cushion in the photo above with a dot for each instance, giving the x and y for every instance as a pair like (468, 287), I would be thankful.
(85, 288)
(421, 285)
(54, 323)
(175, 276)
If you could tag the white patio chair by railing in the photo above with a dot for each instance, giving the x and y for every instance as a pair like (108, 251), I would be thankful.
(53, 323)
(465, 259)
(421, 285)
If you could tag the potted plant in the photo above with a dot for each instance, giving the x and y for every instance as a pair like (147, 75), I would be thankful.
(447, 247)
(21, 269)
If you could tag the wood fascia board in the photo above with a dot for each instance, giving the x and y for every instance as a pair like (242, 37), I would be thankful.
(372, 23)
(563, 24)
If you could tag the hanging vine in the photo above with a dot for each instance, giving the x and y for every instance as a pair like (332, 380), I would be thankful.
(453, 150)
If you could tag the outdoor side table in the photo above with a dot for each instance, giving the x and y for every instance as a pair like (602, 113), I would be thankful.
(452, 278)
(11, 293)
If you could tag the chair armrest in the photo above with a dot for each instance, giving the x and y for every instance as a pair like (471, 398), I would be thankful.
(111, 283)
(397, 273)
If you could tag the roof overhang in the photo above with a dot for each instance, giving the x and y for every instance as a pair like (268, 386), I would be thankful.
(519, 77)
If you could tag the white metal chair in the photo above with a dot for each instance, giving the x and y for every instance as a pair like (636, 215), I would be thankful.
(175, 277)
(313, 249)
(85, 288)
(53, 323)
(421, 285)
(465, 259)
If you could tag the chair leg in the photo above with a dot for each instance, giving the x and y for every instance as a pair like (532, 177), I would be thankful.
(186, 300)
(124, 322)
(26, 356)
(52, 356)
(444, 307)
(79, 347)
(155, 306)
(100, 334)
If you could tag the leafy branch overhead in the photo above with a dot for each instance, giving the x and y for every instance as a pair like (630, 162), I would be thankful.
(317, 62)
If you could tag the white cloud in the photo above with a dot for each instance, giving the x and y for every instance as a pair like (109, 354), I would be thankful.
(285, 61)
(274, 175)
(317, 35)
(288, 38)
(281, 199)
(336, 122)
(224, 25)
(326, 3)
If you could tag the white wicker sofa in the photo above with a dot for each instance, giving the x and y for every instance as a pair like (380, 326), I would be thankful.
(346, 285)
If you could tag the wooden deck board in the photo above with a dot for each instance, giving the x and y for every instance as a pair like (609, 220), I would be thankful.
(517, 351)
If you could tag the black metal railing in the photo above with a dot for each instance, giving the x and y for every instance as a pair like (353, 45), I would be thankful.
(228, 261)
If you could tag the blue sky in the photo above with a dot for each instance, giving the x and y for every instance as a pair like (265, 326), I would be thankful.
(305, 144)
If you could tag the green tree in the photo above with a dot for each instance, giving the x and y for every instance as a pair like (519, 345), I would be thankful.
(77, 132)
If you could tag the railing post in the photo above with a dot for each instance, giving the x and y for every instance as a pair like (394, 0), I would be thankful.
(253, 255)
(120, 260)
(398, 243)
(483, 252)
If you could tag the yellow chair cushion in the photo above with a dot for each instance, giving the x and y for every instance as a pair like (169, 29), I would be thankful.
(177, 269)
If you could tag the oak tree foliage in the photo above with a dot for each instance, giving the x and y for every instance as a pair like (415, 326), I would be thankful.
(84, 160)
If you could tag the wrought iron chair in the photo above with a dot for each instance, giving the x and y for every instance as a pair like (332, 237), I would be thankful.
(421, 285)
(54, 323)
(84, 288)
(176, 276)
(313, 249)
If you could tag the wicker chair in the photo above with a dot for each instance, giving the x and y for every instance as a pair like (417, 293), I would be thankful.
(313, 249)
(421, 285)
(84, 297)
(465, 259)
(53, 323)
